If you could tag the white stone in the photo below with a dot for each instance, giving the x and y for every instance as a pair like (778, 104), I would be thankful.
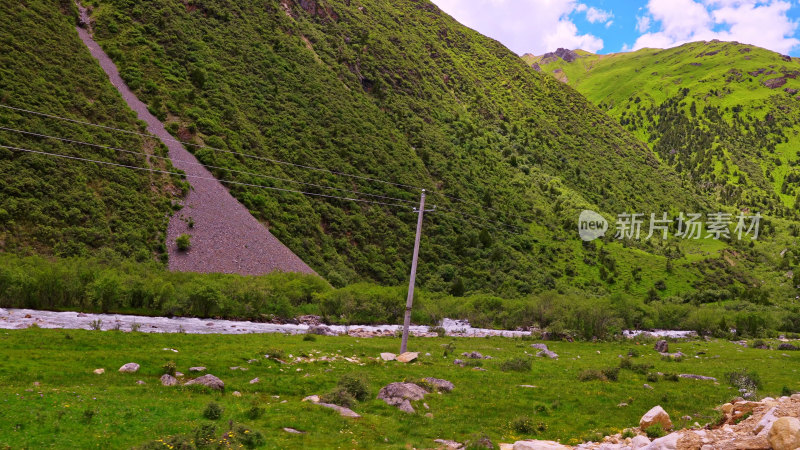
(668, 442)
(763, 426)
(129, 368)
(539, 445)
(388, 356)
(785, 434)
(639, 442)
(654, 416)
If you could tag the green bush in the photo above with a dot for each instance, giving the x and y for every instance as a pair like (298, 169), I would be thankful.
(183, 242)
(523, 425)
(516, 365)
(213, 411)
(339, 396)
(654, 431)
(170, 368)
(356, 385)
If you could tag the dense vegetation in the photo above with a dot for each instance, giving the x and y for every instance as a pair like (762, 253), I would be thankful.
(391, 90)
(63, 207)
(73, 407)
(723, 114)
(119, 286)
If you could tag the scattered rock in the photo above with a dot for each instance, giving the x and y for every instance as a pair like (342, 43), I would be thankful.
(407, 357)
(654, 416)
(787, 346)
(785, 434)
(539, 445)
(197, 369)
(662, 346)
(208, 380)
(647, 386)
(526, 386)
(766, 421)
(99, 371)
(399, 394)
(254, 380)
(439, 384)
(548, 353)
(140, 382)
(344, 412)
(321, 330)
(475, 355)
(696, 377)
(293, 431)
(774, 83)
(168, 380)
(237, 394)
(668, 442)
(540, 346)
(129, 368)
(448, 444)
(178, 374)
(458, 362)
(388, 356)
(312, 399)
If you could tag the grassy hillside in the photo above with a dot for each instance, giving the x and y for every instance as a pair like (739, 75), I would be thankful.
(724, 114)
(344, 85)
(56, 206)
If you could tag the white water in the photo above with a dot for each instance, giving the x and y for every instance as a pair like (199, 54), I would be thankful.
(24, 318)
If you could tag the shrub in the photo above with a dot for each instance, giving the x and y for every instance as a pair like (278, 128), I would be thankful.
(205, 435)
(654, 431)
(516, 365)
(249, 438)
(592, 374)
(96, 324)
(523, 425)
(745, 379)
(440, 331)
(339, 396)
(611, 373)
(170, 368)
(255, 412)
(672, 377)
(653, 377)
(183, 242)
(309, 338)
(213, 411)
(355, 385)
(628, 433)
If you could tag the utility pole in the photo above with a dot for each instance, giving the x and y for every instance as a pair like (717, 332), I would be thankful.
(410, 298)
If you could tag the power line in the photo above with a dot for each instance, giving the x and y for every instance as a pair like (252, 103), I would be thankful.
(271, 160)
(146, 169)
(275, 161)
(205, 165)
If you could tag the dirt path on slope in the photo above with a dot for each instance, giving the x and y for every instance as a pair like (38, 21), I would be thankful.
(225, 237)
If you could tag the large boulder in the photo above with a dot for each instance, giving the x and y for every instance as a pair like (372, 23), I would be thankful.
(668, 442)
(785, 434)
(407, 357)
(662, 346)
(129, 368)
(639, 441)
(386, 356)
(654, 416)
(208, 380)
(401, 395)
(439, 384)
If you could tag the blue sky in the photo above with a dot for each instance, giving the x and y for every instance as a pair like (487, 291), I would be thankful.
(608, 26)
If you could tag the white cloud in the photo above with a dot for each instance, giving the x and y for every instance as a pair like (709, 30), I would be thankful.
(642, 23)
(759, 22)
(594, 15)
(535, 26)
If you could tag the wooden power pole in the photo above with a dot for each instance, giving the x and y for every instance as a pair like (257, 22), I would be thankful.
(412, 280)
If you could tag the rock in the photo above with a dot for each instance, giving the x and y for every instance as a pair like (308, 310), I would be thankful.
(344, 412)
(727, 408)
(293, 431)
(647, 386)
(774, 83)
(237, 394)
(208, 380)
(654, 416)
(639, 442)
(254, 380)
(168, 380)
(448, 444)
(140, 382)
(668, 442)
(526, 386)
(473, 355)
(662, 346)
(785, 434)
(99, 371)
(129, 368)
(547, 353)
(399, 394)
(321, 330)
(388, 356)
(787, 346)
(696, 377)
(439, 384)
(197, 369)
(178, 374)
(540, 346)
(407, 357)
(458, 362)
(312, 399)
(763, 426)
(539, 445)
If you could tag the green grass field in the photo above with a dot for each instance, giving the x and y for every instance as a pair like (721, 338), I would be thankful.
(72, 407)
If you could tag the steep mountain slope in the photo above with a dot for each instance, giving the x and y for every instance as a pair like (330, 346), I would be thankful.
(724, 114)
(66, 207)
(391, 90)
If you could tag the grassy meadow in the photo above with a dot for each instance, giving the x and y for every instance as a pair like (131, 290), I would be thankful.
(72, 407)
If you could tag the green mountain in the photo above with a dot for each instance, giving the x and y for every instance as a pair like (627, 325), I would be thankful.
(723, 114)
(392, 91)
